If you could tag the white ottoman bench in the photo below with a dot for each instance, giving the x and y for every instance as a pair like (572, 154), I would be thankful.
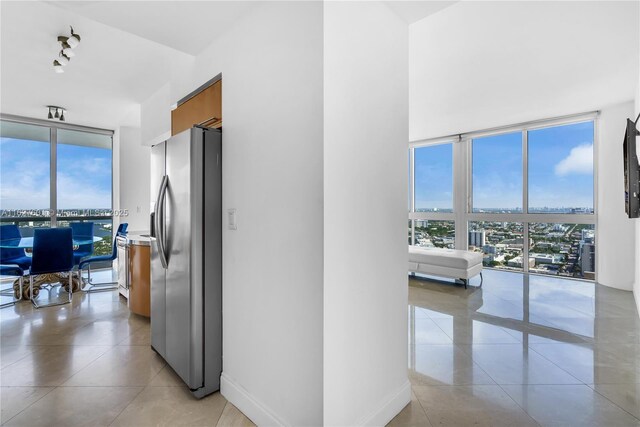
(452, 263)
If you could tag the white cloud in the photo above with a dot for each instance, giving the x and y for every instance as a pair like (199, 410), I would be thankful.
(24, 184)
(74, 193)
(579, 161)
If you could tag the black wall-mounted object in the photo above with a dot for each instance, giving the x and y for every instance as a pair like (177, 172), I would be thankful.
(631, 170)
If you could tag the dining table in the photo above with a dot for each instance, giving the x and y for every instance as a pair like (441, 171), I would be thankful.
(26, 243)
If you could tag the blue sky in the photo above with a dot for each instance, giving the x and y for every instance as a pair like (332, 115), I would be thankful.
(561, 166)
(497, 171)
(560, 170)
(84, 175)
(433, 172)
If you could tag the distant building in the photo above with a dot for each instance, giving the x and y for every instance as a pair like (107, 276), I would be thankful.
(425, 243)
(489, 249)
(449, 241)
(518, 242)
(517, 262)
(422, 223)
(588, 235)
(547, 258)
(559, 228)
(477, 238)
(588, 258)
(555, 235)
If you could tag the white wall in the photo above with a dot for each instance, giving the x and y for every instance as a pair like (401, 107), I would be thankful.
(476, 65)
(365, 194)
(636, 287)
(271, 65)
(616, 245)
(155, 116)
(134, 178)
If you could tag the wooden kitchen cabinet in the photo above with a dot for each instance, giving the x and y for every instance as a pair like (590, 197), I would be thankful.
(140, 279)
(204, 108)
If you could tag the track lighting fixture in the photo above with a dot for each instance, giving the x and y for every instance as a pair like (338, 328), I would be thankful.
(74, 40)
(63, 59)
(59, 112)
(57, 66)
(65, 55)
(63, 42)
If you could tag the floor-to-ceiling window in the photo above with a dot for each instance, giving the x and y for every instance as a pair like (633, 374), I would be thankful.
(524, 196)
(431, 195)
(52, 174)
(25, 175)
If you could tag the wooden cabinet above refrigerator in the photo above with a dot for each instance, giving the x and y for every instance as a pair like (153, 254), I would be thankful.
(201, 107)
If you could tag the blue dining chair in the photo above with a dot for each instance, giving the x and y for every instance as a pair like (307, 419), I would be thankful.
(13, 270)
(82, 229)
(102, 286)
(13, 255)
(122, 229)
(52, 253)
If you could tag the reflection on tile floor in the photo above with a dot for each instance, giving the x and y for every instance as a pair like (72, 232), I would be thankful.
(519, 351)
(89, 363)
(522, 350)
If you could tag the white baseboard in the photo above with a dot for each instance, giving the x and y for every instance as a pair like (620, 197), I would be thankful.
(389, 407)
(255, 410)
(261, 415)
(623, 286)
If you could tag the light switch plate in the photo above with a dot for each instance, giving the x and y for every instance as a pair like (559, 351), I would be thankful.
(231, 219)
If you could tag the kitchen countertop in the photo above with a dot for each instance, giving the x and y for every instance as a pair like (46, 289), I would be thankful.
(139, 238)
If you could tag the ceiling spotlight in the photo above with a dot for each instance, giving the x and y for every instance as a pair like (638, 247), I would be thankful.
(74, 40)
(63, 41)
(63, 59)
(57, 66)
(59, 112)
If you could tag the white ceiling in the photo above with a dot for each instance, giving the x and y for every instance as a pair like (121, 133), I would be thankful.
(476, 65)
(187, 26)
(131, 48)
(413, 11)
(128, 50)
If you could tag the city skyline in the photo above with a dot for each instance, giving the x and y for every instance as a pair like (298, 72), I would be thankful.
(561, 249)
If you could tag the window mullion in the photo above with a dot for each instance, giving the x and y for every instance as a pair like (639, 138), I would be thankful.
(412, 191)
(53, 173)
(525, 199)
(460, 193)
(412, 194)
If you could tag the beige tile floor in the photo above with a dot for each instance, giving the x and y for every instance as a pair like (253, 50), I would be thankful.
(519, 351)
(89, 363)
(522, 350)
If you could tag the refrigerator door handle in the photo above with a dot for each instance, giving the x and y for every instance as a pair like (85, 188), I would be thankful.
(159, 219)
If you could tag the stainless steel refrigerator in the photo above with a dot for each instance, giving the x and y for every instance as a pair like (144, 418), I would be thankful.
(186, 256)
